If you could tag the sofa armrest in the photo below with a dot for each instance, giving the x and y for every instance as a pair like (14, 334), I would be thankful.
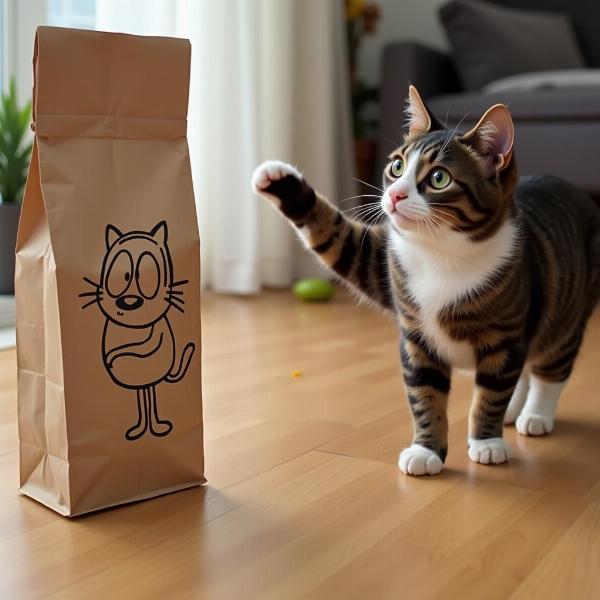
(429, 70)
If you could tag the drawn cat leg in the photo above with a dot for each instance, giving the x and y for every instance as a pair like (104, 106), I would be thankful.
(138, 430)
(158, 426)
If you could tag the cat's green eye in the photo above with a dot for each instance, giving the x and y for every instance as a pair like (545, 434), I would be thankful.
(397, 167)
(440, 179)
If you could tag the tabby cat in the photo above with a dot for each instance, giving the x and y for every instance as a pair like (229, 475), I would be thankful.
(481, 269)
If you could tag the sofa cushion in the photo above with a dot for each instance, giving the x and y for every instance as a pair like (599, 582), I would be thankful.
(545, 80)
(584, 14)
(572, 104)
(491, 42)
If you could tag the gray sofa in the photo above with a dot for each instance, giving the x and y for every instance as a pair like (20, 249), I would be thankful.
(557, 130)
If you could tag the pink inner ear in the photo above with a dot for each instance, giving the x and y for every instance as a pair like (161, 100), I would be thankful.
(496, 133)
(418, 119)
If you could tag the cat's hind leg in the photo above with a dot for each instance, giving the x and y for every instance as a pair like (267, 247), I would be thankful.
(537, 416)
(518, 398)
(138, 430)
(549, 375)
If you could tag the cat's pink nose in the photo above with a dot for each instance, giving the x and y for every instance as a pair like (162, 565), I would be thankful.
(397, 196)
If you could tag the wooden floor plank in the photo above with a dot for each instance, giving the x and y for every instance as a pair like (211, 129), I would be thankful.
(304, 496)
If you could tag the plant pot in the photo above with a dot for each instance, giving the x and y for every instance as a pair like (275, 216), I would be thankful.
(365, 151)
(9, 223)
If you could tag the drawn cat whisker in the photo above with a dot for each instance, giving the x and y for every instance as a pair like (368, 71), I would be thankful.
(95, 293)
(94, 301)
(96, 285)
(178, 292)
(180, 300)
(168, 300)
(182, 282)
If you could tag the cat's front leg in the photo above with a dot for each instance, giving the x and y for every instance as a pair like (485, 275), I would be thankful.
(495, 382)
(353, 251)
(427, 383)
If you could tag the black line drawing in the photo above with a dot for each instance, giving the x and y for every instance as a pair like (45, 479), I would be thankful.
(135, 293)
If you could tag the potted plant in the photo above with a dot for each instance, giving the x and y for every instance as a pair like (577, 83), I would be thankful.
(361, 20)
(14, 160)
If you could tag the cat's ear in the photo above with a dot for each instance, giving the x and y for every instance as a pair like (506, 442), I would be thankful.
(111, 235)
(420, 118)
(493, 137)
(159, 233)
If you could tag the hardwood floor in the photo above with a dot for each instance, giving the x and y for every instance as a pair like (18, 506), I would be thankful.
(304, 496)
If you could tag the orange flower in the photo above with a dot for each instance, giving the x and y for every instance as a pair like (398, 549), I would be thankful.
(354, 9)
(370, 16)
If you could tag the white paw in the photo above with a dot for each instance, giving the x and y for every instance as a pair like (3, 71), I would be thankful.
(492, 451)
(513, 410)
(532, 424)
(270, 171)
(418, 460)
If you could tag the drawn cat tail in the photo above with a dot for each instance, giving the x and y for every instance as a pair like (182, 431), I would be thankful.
(184, 363)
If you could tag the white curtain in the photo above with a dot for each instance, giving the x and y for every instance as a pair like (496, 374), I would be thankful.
(268, 80)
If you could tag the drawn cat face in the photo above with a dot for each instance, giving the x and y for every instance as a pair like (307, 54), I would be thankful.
(137, 276)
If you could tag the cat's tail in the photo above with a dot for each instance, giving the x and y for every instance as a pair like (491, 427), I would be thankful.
(184, 363)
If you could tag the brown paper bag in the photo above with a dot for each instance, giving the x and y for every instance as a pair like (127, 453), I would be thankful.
(107, 280)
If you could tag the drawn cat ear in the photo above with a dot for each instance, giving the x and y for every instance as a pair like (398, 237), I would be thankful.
(159, 232)
(493, 137)
(111, 235)
(420, 118)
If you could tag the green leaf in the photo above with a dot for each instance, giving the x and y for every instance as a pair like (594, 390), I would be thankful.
(15, 152)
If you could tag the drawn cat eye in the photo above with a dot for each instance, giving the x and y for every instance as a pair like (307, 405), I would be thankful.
(147, 275)
(119, 273)
(440, 179)
(397, 167)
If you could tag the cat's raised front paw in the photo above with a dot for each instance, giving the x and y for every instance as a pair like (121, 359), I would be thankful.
(418, 460)
(270, 172)
(283, 185)
(532, 424)
(492, 451)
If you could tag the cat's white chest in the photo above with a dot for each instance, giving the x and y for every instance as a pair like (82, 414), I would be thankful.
(436, 278)
(433, 290)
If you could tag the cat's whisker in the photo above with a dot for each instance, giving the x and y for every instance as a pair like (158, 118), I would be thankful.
(181, 300)
(438, 212)
(365, 210)
(178, 292)
(85, 294)
(368, 184)
(361, 206)
(359, 196)
(373, 211)
(389, 139)
(441, 220)
(447, 142)
(182, 282)
(370, 224)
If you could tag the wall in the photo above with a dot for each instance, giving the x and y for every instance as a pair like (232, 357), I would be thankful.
(402, 20)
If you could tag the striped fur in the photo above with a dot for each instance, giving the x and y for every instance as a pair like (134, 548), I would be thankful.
(527, 308)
